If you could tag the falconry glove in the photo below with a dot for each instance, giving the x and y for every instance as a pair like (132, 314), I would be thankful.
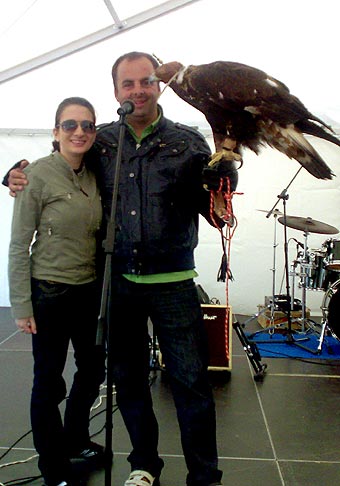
(212, 176)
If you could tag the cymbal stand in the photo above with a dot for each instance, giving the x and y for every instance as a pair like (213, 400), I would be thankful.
(271, 305)
(293, 275)
(305, 270)
(275, 305)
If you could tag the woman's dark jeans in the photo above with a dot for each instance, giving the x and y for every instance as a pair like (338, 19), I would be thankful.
(63, 313)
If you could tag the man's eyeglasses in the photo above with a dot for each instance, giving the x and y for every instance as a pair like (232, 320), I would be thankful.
(71, 126)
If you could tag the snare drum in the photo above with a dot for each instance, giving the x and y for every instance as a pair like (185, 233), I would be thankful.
(332, 249)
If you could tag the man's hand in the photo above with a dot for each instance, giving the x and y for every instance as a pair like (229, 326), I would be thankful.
(27, 325)
(17, 178)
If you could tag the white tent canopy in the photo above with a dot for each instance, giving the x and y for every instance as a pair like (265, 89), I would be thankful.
(152, 10)
(50, 51)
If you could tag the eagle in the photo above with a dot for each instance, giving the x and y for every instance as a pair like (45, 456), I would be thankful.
(247, 108)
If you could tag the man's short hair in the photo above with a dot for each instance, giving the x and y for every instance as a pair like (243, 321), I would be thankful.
(131, 56)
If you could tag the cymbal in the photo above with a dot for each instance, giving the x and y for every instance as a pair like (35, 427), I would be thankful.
(308, 225)
(275, 211)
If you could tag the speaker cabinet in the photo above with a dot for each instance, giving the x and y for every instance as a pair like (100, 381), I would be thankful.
(218, 322)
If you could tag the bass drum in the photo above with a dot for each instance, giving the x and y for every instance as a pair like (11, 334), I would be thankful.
(331, 307)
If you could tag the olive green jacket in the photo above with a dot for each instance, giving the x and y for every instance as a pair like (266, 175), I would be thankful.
(56, 221)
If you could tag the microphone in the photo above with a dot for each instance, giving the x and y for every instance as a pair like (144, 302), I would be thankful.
(126, 108)
(298, 243)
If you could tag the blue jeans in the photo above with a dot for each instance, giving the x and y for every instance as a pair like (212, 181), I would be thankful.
(176, 315)
(63, 313)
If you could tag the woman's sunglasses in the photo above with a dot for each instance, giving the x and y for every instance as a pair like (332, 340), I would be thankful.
(71, 126)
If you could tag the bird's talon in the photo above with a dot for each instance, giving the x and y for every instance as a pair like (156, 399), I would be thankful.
(224, 154)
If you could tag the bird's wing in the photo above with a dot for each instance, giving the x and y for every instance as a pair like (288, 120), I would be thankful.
(235, 86)
(231, 84)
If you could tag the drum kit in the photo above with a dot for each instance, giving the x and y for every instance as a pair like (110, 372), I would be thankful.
(319, 267)
(318, 270)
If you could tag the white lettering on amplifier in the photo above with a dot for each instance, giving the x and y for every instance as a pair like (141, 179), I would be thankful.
(210, 318)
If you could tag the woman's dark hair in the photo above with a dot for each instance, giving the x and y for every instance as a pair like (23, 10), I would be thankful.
(74, 100)
(131, 56)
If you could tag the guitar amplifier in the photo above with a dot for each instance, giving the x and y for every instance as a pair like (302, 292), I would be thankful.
(218, 323)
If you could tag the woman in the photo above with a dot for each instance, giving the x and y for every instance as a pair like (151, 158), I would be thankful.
(53, 289)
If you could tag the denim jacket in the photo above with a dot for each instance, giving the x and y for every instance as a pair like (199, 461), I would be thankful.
(160, 196)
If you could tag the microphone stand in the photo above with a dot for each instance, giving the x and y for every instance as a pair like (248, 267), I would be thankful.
(283, 195)
(103, 329)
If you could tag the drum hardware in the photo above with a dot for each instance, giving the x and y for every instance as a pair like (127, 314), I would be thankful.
(313, 276)
(318, 270)
(293, 273)
(276, 212)
(319, 277)
(284, 197)
(307, 225)
(272, 303)
(290, 338)
(314, 263)
(330, 311)
(305, 273)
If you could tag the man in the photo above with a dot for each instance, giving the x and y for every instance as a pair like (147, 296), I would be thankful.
(159, 200)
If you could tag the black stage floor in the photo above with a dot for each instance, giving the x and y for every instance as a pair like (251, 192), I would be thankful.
(281, 431)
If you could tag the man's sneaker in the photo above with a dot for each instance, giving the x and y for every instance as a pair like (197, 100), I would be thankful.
(141, 478)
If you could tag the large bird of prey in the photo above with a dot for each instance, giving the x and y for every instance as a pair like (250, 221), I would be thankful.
(247, 108)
